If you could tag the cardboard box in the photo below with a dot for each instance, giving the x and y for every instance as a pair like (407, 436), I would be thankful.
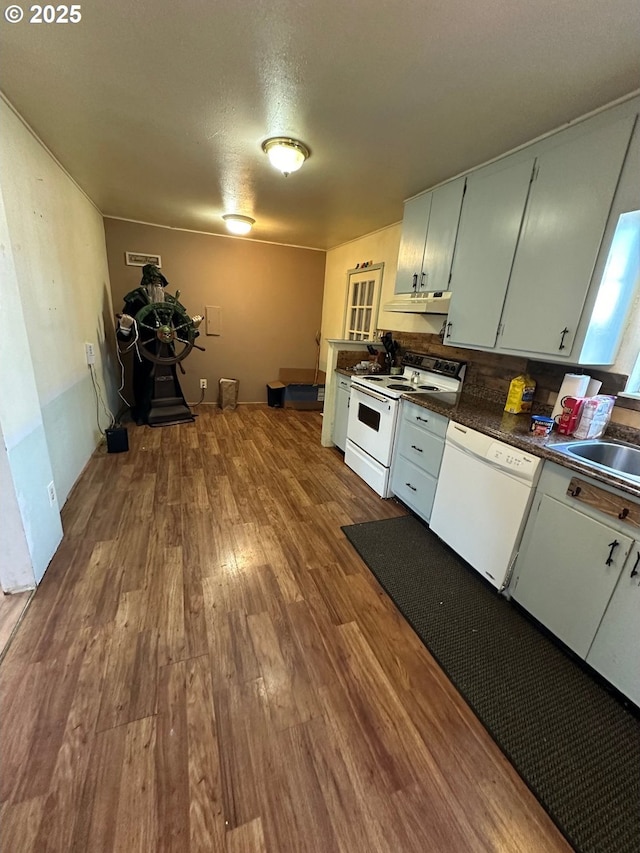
(303, 388)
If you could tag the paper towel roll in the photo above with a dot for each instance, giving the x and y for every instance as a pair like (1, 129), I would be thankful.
(573, 385)
(593, 388)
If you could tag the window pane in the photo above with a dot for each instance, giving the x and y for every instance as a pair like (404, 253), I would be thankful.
(356, 292)
(370, 286)
(616, 291)
(367, 321)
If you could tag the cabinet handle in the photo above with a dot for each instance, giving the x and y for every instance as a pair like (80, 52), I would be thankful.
(622, 515)
(422, 280)
(424, 420)
(415, 282)
(575, 492)
(564, 332)
(413, 488)
(613, 545)
(634, 570)
(449, 325)
(419, 449)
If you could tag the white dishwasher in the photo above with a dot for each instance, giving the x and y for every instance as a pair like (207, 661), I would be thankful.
(484, 491)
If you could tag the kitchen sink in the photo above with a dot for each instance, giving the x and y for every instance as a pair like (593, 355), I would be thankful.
(618, 457)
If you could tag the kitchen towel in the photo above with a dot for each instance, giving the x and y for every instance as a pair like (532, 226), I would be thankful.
(573, 385)
(593, 388)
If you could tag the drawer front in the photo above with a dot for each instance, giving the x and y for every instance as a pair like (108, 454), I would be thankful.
(425, 419)
(413, 486)
(421, 447)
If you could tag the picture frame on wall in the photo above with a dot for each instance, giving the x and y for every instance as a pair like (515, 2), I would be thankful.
(139, 259)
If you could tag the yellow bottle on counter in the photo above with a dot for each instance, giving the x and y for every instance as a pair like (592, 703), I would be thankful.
(520, 396)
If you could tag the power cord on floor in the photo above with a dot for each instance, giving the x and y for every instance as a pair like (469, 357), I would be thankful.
(100, 402)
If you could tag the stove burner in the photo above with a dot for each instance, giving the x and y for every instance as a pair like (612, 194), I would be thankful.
(374, 378)
(428, 387)
(399, 387)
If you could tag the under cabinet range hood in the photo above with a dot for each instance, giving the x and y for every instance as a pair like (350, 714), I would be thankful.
(435, 302)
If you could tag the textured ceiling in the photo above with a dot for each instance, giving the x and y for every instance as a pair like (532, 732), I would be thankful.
(158, 109)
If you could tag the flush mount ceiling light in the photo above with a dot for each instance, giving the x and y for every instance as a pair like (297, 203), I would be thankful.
(238, 224)
(285, 154)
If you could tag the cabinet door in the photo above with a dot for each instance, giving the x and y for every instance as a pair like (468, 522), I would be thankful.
(414, 234)
(615, 652)
(422, 448)
(564, 223)
(425, 418)
(413, 486)
(569, 570)
(446, 203)
(341, 418)
(494, 206)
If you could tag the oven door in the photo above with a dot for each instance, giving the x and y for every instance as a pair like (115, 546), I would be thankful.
(372, 423)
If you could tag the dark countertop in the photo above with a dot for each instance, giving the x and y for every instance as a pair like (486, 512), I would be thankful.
(490, 418)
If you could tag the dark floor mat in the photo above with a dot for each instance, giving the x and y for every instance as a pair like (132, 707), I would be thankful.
(572, 742)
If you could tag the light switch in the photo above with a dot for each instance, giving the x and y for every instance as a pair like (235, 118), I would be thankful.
(212, 314)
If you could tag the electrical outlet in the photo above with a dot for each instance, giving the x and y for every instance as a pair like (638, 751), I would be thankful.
(51, 491)
(203, 383)
(90, 353)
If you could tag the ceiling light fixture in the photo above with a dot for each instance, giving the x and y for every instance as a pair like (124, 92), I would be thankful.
(285, 154)
(238, 224)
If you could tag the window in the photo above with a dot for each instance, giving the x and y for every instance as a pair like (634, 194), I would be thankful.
(363, 300)
(632, 388)
(616, 292)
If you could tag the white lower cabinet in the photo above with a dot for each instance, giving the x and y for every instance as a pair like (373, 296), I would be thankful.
(578, 572)
(615, 651)
(569, 571)
(417, 456)
(341, 416)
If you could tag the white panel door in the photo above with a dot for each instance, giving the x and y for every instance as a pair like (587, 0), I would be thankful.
(568, 208)
(414, 234)
(444, 218)
(494, 206)
(568, 572)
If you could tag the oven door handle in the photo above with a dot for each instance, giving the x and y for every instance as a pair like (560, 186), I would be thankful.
(380, 397)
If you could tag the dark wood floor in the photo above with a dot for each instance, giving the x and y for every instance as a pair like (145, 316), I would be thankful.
(208, 666)
(11, 609)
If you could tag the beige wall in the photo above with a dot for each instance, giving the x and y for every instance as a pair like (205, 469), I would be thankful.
(270, 296)
(380, 246)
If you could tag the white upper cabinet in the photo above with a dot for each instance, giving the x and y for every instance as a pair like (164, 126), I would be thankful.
(541, 252)
(494, 206)
(429, 230)
(446, 204)
(574, 185)
(415, 223)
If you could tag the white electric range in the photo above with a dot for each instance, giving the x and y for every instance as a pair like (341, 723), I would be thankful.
(374, 407)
